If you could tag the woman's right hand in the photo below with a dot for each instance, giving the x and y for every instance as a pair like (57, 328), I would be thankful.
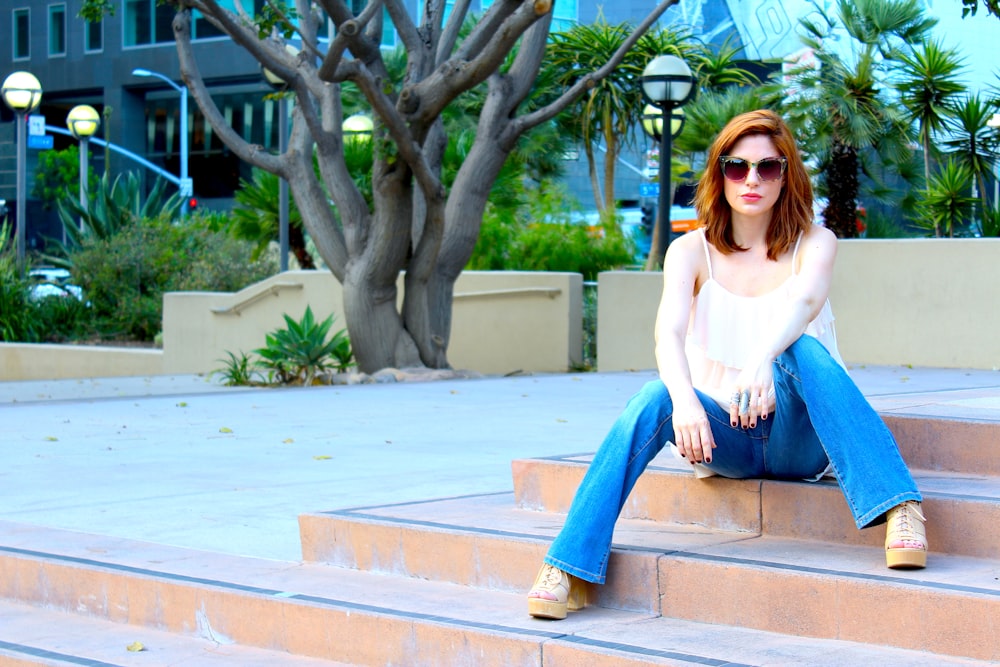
(692, 433)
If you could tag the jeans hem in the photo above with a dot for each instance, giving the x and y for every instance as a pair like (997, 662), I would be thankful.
(575, 571)
(876, 516)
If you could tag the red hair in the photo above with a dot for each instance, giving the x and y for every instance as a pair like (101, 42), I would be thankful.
(792, 212)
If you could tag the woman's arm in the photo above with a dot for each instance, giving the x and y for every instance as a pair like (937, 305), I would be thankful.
(682, 266)
(808, 291)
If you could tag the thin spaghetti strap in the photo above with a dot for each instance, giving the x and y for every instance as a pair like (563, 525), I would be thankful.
(795, 253)
(708, 257)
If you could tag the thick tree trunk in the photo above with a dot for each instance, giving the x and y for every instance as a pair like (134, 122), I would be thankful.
(297, 243)
(841, 212)
(376, 330)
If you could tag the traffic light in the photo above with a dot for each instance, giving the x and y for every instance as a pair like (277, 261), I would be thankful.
(648, 216)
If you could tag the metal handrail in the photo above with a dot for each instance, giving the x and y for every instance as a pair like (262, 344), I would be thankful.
(272, 290)
(551, 292)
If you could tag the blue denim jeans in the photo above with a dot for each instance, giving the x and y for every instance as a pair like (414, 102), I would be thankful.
(820, 417)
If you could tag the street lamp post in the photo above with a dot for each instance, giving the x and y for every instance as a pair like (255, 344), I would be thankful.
(22, 92)
(667, 82)
(82, 122)
(187, 187)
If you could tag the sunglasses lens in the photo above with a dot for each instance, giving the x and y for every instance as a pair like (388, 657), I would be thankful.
(769, 170)
(735, 170)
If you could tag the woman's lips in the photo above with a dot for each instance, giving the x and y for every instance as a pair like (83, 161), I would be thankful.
(750, 196)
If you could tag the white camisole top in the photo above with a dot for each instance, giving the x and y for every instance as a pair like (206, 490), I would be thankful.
(725, 328)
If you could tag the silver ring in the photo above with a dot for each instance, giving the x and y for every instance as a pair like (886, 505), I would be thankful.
(744, 402)
(735, 398)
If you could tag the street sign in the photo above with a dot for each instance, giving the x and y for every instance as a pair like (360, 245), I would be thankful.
(41, 143)
(649, 189)
(186, 187)
(36, 126)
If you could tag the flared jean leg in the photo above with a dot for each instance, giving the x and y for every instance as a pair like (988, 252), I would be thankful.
(864, 455)
(583, 546)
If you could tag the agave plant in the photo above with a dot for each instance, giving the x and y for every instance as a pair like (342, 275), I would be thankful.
(299, 352)
(112, 206)
(947, 202)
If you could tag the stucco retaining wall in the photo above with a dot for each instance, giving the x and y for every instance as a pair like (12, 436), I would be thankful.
(919, 302)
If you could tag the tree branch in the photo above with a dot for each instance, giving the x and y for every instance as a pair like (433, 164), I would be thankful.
(404, 25)
(458, 75)
(449, 37)
(350, 36)
(253, 154)
(535, 118)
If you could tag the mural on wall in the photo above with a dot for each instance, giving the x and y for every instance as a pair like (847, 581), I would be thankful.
(768, 29)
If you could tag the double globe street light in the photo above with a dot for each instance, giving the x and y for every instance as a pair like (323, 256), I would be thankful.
(667, 83)
(21, 92)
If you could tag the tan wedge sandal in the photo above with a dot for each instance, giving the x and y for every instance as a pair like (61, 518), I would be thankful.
(905, 537)
(555, 592)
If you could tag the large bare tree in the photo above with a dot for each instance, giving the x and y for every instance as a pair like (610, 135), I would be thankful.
(415, 224)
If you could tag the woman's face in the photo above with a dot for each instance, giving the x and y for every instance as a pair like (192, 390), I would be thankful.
(752, 196)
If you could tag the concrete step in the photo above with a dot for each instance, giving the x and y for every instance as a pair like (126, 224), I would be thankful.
(37, 636)
(946, 444)
(962, 509)
(799, 588)
(54, 582)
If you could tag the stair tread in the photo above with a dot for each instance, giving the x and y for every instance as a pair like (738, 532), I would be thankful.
(928, 481)
(493, 515)
(48, 637)
(639, 637)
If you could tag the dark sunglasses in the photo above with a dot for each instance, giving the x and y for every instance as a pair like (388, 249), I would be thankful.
(768, 169)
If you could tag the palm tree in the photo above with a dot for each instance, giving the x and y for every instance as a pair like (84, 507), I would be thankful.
(611, 110)
(927, 87)
(973, 143)
(841, 105)
(717, 69)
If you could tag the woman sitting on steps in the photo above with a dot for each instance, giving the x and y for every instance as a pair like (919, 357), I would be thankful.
(751, 383)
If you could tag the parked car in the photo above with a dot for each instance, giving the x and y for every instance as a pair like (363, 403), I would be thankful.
(50, 281)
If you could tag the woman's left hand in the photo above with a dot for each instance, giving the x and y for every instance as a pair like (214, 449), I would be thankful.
(751, 394)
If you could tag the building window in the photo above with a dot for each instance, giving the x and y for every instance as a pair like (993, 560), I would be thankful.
(147, 22)
(93, 36)
(22, 33)
(57, 30)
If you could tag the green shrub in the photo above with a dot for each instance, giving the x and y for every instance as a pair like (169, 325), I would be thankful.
(542, 235)
(58, 175)
(125, 275)
(113, 205)
(17, 320)
(62, 319)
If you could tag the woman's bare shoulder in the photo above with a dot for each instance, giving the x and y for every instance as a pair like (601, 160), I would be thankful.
(817, 239)
(817, 233)
(690, 242)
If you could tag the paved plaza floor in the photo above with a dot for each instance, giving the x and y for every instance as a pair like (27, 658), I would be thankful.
(184, 461)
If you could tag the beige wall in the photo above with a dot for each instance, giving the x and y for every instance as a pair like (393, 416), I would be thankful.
(44, 362)
(923, 302)
(502, 322)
